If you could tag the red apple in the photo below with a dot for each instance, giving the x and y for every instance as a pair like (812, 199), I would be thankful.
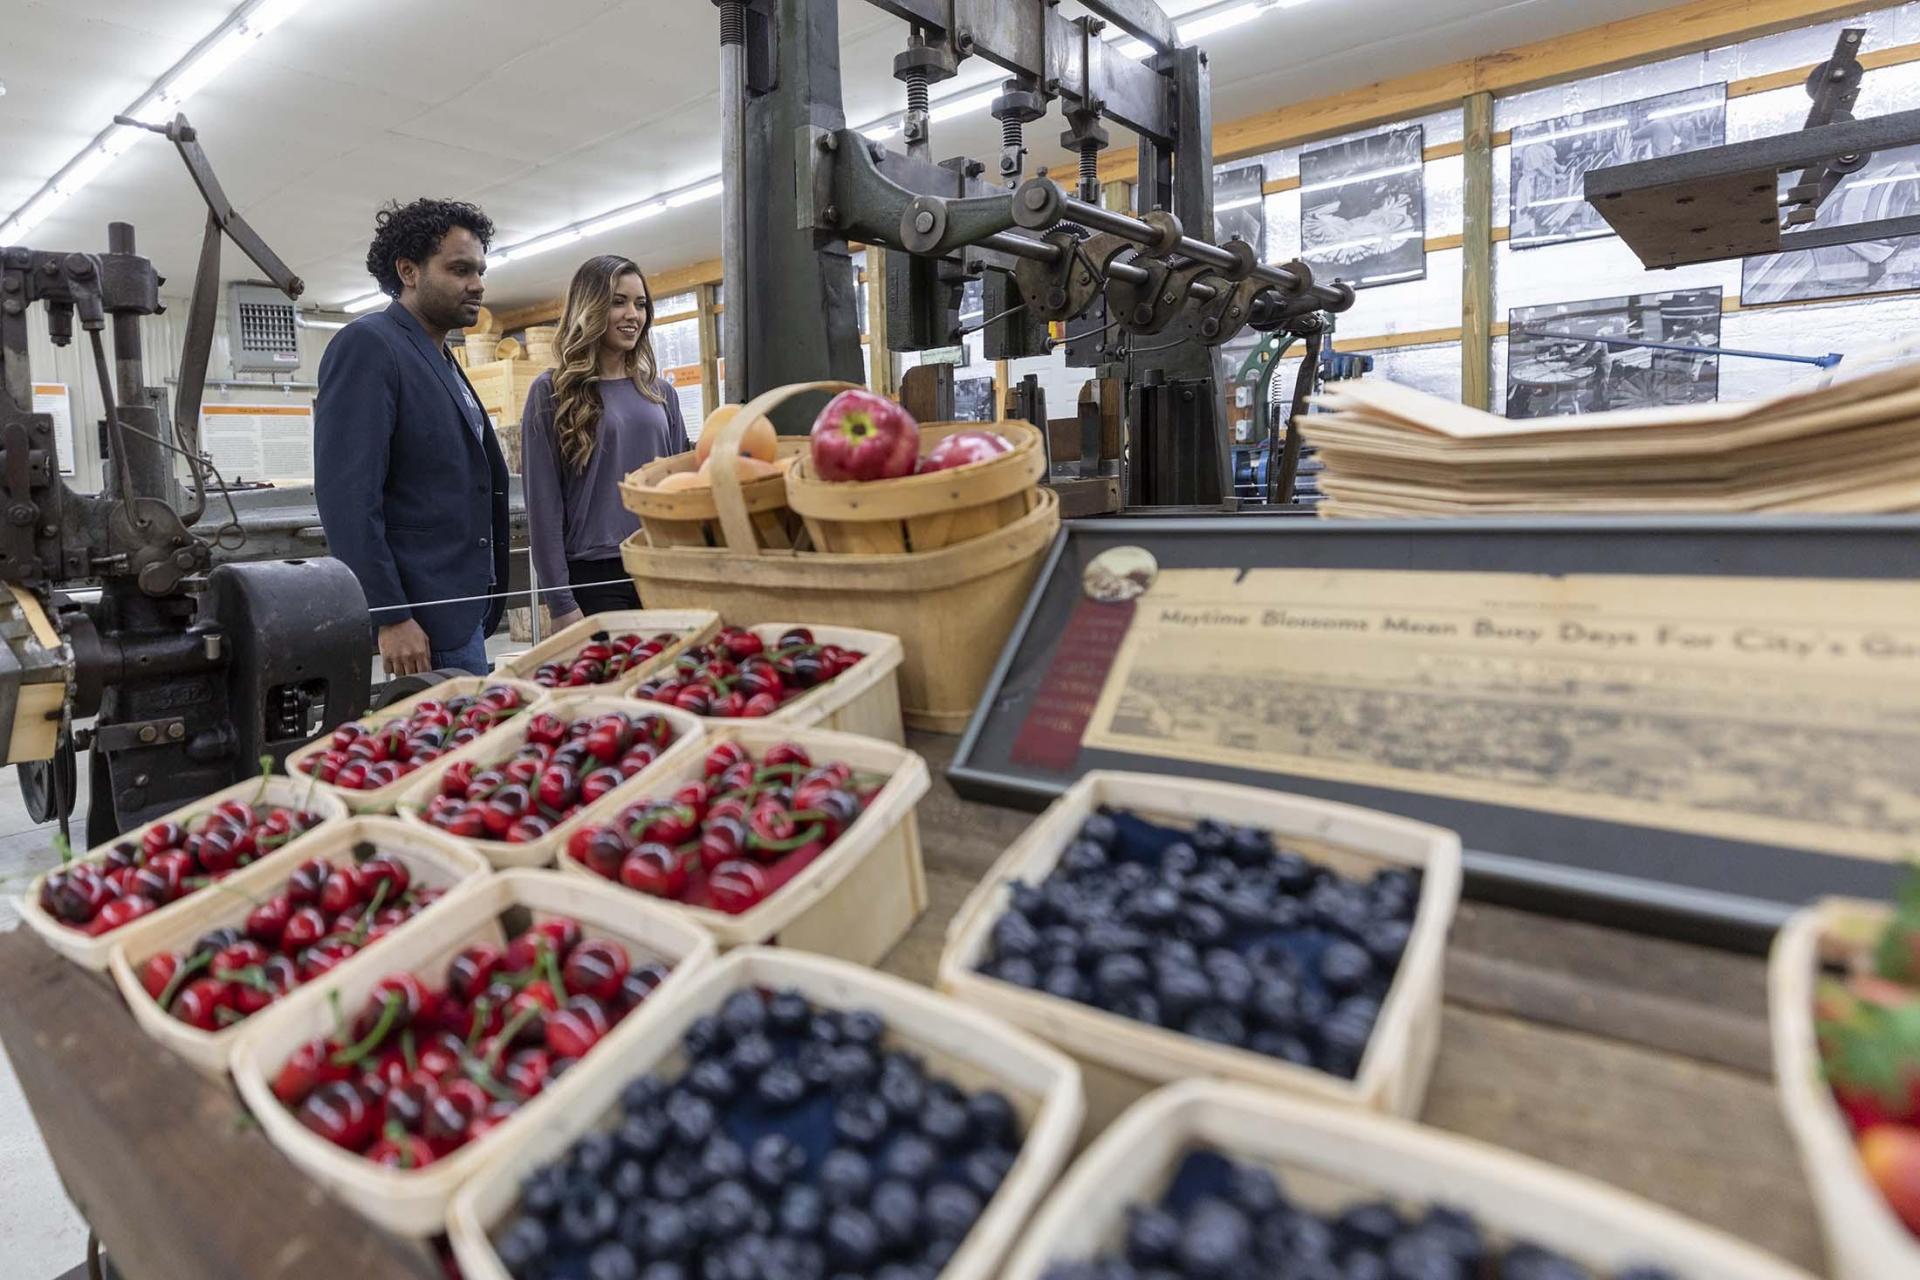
(862, 436)
(965, 447)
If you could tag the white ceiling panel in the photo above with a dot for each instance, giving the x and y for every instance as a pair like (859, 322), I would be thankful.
(553, 111)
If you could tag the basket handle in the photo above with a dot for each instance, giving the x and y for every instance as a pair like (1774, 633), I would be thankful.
(727, 498)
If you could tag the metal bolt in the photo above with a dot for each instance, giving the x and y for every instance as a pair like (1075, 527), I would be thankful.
(1036, 198)
(47, 530)
(141, 779)
(1186, 395)
(833, 213)
(1167, 298)
(964, 41)
(176, 731)
(923, 221)
(148, 734)
(828, 142)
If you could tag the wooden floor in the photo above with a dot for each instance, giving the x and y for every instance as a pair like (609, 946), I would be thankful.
(1640, 1062)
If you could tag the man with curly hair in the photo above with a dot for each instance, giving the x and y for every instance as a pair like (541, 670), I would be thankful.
(411, 482)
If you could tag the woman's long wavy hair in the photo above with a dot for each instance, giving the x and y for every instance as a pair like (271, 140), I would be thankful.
(583, 323)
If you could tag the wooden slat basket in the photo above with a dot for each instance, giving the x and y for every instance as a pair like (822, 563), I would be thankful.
(923, 512)
(1328, 1158)
(1123, 1059)
(414, 1202)
(952, 608)
(863, 700)
(432, 858)
(383, 799)
(1865, 1241)
(93, 953)
(691, 517)
(692, 626)
(853, 902)
(689, 734)
(957, 1043)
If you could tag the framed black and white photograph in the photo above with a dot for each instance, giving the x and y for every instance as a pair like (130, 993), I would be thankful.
(1551, 158)
(1889, 187)
(973, 400)
(1592, 356)
(1240, 206)
(1363, 216)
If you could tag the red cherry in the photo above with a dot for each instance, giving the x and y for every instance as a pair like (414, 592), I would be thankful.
(723, 757)
(385, 868)
(736, 886)
(340, 1112)
(654, 869)
(577, 1027)
(595, 968)
(323, 956)
(304, 927)
(344, 887)
(198, 1004)
(118, 912)
(266, 922)
(401, 1151)
(785, 753)
(306, 881)
(759, 706)
(157, 972)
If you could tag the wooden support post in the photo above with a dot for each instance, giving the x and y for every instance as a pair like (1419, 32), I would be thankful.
(1117, 196)
(883, 378)
(1476, 285)
(706, 293)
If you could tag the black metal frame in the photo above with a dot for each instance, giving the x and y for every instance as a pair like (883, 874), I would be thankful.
(1636, 877)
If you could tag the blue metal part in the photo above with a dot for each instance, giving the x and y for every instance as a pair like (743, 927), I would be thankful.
(1827, 361)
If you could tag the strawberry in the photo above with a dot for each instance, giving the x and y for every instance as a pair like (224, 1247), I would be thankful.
(1891, 1154)
(1874, 1065)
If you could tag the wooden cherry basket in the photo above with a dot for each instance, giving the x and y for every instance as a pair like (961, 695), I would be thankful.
(923, 512)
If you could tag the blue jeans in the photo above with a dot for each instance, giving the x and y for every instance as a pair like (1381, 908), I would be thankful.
(471, 655)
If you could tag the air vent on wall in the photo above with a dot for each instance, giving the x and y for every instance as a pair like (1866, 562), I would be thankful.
(261, 334)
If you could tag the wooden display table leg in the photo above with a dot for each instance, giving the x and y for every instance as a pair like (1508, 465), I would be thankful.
(166, 1166)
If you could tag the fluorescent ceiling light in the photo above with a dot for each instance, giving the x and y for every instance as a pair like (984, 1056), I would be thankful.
(694, 195)
(540, 244)
(1411, 167)
(623, 217)
(368, 303)
(234, 38)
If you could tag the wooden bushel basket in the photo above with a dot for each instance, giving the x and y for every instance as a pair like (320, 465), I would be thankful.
(923, 512)
(691, 517)
(952, 608)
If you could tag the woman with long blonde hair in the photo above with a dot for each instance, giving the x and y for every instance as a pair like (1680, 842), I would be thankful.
(600, 413)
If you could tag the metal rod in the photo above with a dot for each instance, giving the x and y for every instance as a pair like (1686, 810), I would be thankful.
(733, 216)
(1021, 246)
(1131, 228)
(128, 366)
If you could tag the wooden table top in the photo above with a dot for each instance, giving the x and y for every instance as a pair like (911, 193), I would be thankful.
(1640, 1062)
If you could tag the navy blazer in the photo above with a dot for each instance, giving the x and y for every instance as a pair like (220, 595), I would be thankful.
(410, 480)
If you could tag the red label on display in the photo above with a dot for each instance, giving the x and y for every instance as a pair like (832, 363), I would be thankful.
(1050, 737)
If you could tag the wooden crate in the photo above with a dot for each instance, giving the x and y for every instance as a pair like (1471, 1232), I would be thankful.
(431, 857)
(864, 700)
(923, 512)
(693, 626)
(93, 953)
(1327, 1158)
(1123, 1059)
(1865, 1241)
(413, 1202)
(688, 736)
(383, 799)
(957, 1043)
(501, 386)
(952, 609)
(853, 902)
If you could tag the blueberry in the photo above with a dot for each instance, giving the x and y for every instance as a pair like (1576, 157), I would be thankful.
(642, 1093)
(983, 1170)
(851, 1066)
(1063, 982)
(522, 1246)
(1025, 898)
(1100, 829)
(1017, 970)
(1457, 1230)
(704, 1036)
(1255, 1190)
(668, 1233)
(1372, 1225)
(846, 1177)
(1211, 836)
(1107, 937)
(1153, 906)
(860, 1119)
(1296, 1238)
(803, 1207)
(1291, 872)
(593, 1155)
(1119, 973)
(1218, 1024)
(673, 1178)
(629, 1180)
(1014, 935)
(1287, 1048)
(1153, 1235)
(992, 1115)
(788, 1012)
(951, 1210)
(895, 1210)
(542, 1190)
(1247, 909)
(775, 1158)
(712, 1079)
(1202, 924)
(1315, 1005)
(814, 1061)
(588, 1215)
(664, 1270)
(852, 1240)
(1531, 1262)
(904, 1091)
(1214, 1238)
(1421, 1255)
(1083, 857)
(1233, 984)
(1179, 858)
(1250, 845)
(1137, 1005)
(1340, 907)
(862, 1026)
(1180, 989)
(752, 1053)
(691, 1119)
(1364, 1264)
(1386, 941)
(1271, 958)
(824, 1028)
(743, 1011)
(1345, 966)
(727, 1209)
(1276, 1004)
(911, 1158)
(781, 1085)
(945, 1121)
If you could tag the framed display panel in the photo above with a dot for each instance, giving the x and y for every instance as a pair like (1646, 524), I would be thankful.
(1556, 367)
(1888, 187)
(1689, 726)
(1363, 213)
(1550, 159)
(1239, 206)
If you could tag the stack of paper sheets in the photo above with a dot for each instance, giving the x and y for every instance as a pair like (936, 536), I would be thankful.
(1846, 444)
